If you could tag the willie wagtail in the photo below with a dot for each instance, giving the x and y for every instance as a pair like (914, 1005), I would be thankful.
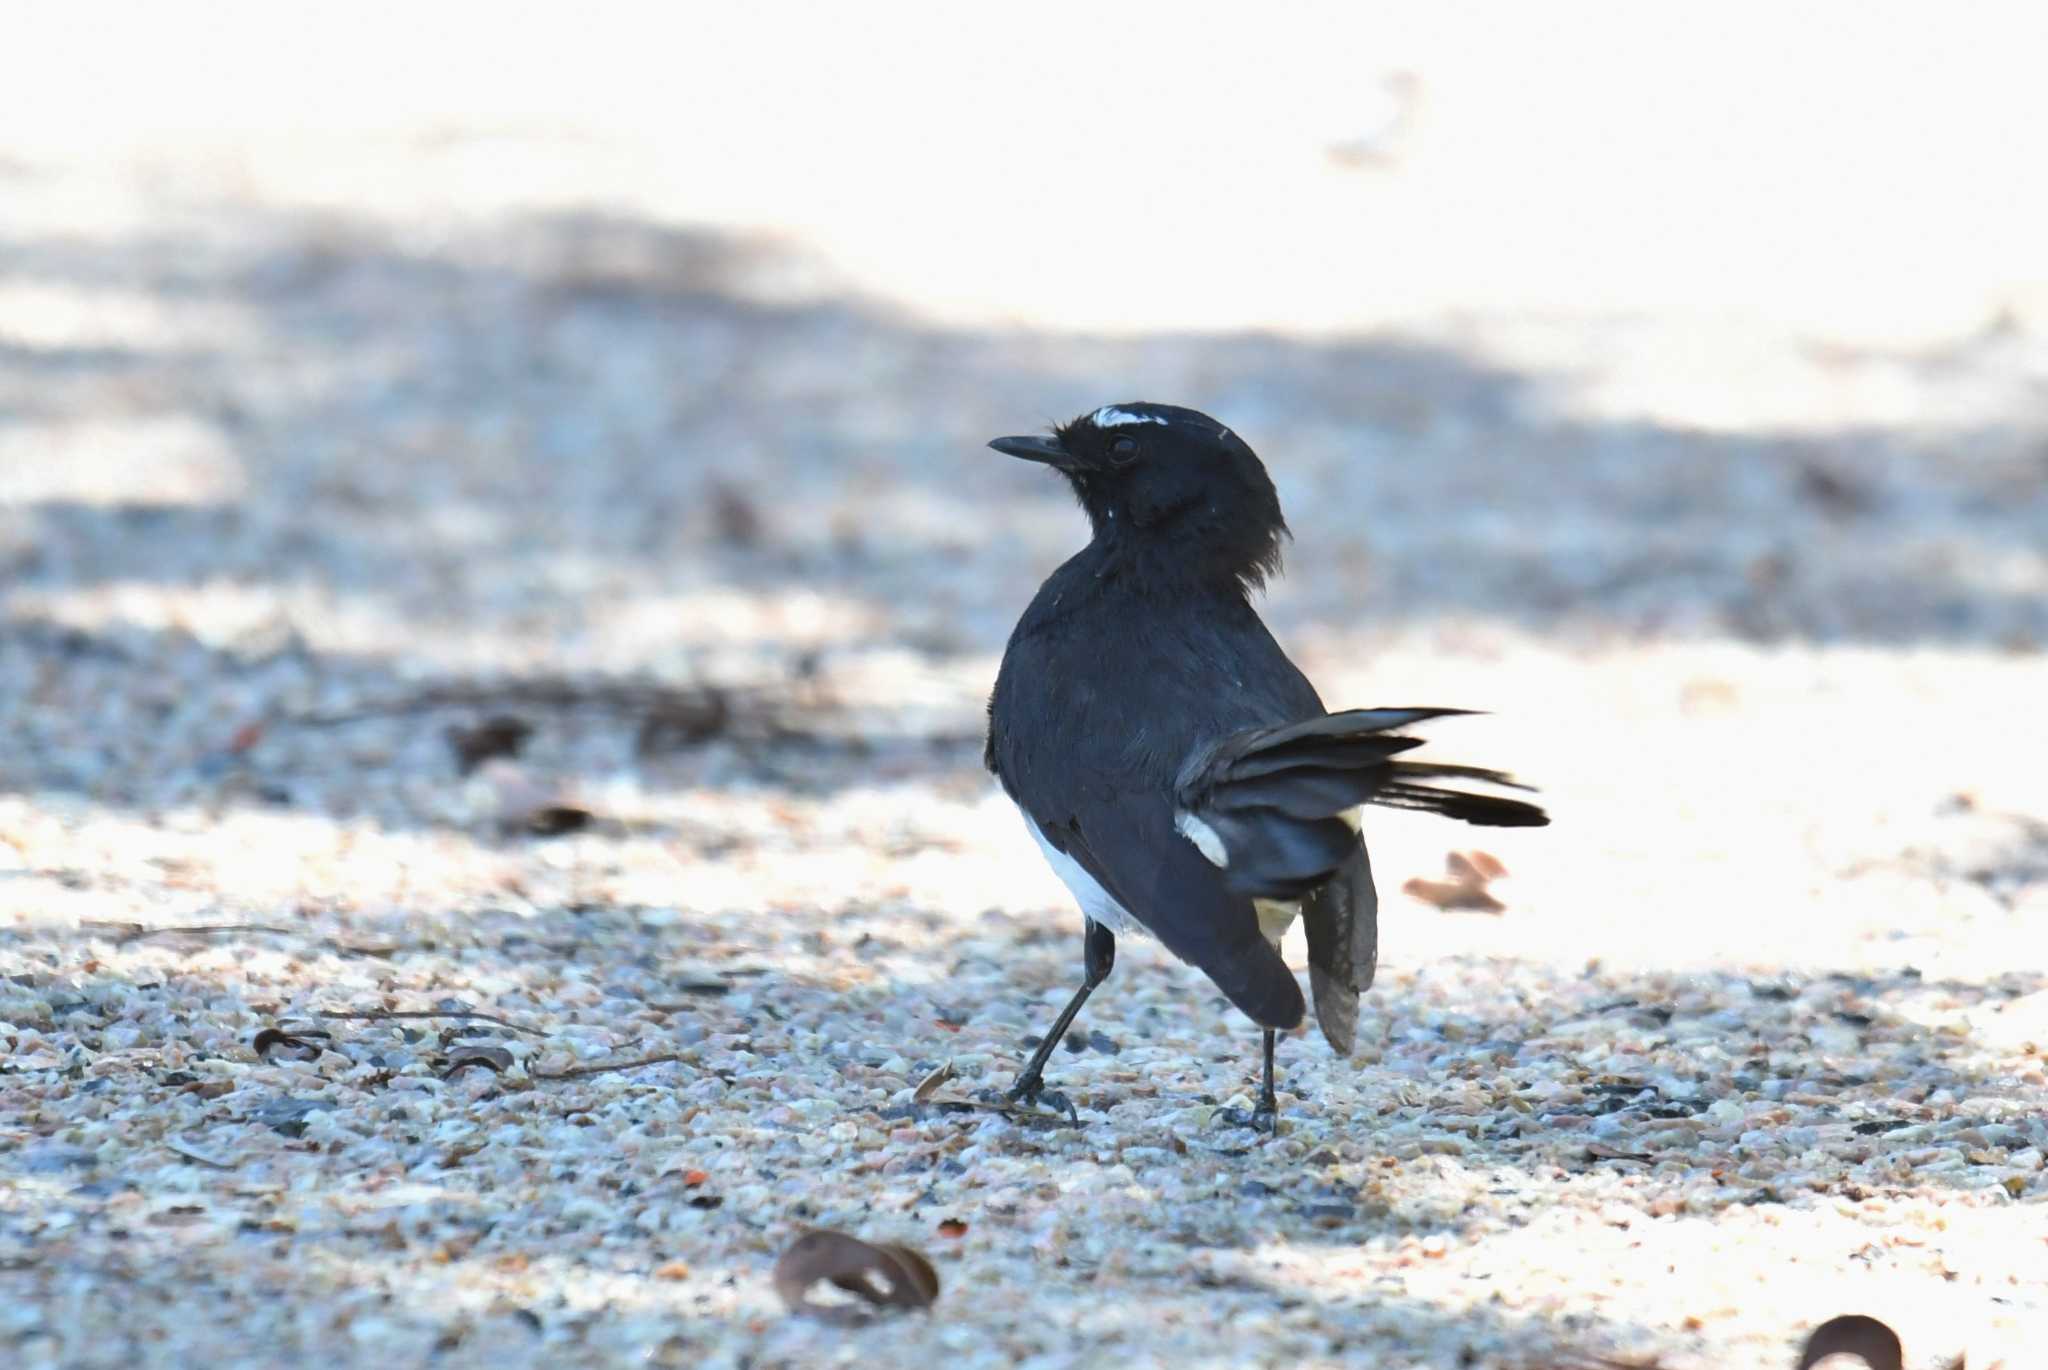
(1180, 774)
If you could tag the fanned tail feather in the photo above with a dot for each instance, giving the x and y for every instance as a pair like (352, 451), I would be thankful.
(1267, 805)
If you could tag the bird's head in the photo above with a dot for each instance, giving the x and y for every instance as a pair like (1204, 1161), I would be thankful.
(1170, 480)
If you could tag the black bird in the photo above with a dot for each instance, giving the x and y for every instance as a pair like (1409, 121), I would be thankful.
(1181, 775)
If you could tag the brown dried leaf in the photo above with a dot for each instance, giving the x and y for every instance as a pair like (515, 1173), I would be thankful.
(1485, 864)
(499, 735)
(929, 1085)
(1853, 1334)
(1470, 873)
(495, 1059)
(906, 1278)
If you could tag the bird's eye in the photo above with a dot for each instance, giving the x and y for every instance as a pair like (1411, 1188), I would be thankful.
(1124, 449)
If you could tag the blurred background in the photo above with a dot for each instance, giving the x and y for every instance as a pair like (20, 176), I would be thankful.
(1672, 385)
(1618, 372)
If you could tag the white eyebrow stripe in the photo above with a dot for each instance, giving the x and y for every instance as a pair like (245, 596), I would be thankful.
(1109, 416)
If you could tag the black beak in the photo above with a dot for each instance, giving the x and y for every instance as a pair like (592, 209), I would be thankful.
(1047, 450)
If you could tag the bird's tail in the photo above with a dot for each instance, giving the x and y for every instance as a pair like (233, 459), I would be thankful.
(1269, 806)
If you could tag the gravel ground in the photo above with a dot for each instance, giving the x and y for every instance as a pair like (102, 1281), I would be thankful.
(287, 495)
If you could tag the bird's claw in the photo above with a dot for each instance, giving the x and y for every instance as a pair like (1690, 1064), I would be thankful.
(1260, 1119)
(1034, 1094)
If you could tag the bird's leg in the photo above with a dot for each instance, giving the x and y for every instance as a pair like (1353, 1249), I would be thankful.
(1264, 1118)
(1269, 1103)
(1099, 957)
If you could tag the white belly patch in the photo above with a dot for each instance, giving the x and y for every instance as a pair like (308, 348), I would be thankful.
(1094, 900)
(1275, 915)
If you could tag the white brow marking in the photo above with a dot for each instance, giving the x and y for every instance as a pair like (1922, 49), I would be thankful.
(1109, 416)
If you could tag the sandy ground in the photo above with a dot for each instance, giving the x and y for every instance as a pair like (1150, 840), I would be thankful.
(323, 434)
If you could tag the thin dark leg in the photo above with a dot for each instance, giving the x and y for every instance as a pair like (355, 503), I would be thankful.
(1098, 957)
(1269, 1103)
(1265, 1117)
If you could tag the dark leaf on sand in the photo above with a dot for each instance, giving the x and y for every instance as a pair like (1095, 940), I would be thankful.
(1834, 490)
(734, 517)
(301, 1045)
(460, 1058)
(1600, 1151)
(500, 735)
(884, 1275)
(1853, 1334)
(552, 820)
(526, 804)
(680, 720)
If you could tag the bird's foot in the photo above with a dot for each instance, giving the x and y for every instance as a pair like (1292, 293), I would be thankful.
(1264, 1118)
(1032, 1093)
(1261, 1119)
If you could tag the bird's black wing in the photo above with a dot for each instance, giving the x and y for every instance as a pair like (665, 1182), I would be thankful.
(1128, 843)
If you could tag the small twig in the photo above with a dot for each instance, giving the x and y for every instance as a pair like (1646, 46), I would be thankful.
(193, 1153)
(604, 1067)
(1599, 1151)
(124, 933)
(680, 1005)
(556, 694)
(380, 1015)
(1023, 1114)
